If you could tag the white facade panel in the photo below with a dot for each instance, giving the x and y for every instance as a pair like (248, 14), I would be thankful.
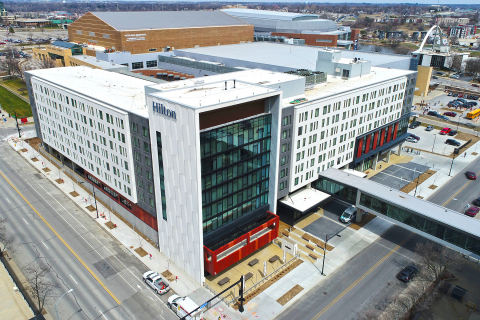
(325, 129)
(180, 234)
(90, 133)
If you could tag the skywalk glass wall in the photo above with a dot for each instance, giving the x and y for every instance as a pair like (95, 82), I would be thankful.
(235, 165)
(431, 227)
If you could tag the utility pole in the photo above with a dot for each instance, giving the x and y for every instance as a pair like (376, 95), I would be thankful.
(16, 121)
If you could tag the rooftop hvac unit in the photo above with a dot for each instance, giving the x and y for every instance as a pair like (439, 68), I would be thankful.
(337, 69)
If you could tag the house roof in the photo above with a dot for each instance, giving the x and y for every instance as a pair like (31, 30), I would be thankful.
(167, 19)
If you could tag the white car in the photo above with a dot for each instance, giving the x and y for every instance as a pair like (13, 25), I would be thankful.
(411, 139)
(156, 282)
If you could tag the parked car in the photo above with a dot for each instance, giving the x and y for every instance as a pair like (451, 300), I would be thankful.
(434, 77)
(472, 211)
(475, 85)
(476, 202)
(445, 130)
(440, 116)
(450, 114)
(407, 273)
(453, 142)
(450, 94)
(349, 215)
(452, 133)
(461, 100)
(455, 95)
(414, 124)
(471, 175)
(156, 282)
(414, 136)
(432, 113)
(412, 140)
(429, 128)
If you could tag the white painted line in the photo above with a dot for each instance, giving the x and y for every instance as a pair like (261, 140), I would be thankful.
(73, 279)
(25, 220)
(103, 314)
(44, 244)
(8, 200)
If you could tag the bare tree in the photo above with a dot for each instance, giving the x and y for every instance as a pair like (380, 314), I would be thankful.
(456, 62)
(47, 63)
(377, 49)
(436, 261)
(41, 287)
(453, 40)
(402, 50)
(472, 66)
(6, 238)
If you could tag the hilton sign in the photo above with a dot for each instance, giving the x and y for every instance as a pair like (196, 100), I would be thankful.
(160, 108)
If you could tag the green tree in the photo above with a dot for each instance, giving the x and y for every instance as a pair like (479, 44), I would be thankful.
(11, 30)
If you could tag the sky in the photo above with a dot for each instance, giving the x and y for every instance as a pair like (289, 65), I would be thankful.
(445, 2)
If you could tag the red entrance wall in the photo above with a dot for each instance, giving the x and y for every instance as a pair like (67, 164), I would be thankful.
(138, 212)
(213, 266)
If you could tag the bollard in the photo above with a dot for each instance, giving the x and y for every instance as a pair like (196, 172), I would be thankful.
(115, 225)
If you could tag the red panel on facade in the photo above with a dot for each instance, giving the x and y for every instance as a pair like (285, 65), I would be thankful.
(395, 129)
(382, 136)
(375, 140)
(389, 133)
(138, 212)
(214, 266)
(359, 150)
(367, 143)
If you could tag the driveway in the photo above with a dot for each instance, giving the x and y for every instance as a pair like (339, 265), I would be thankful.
(433, 141)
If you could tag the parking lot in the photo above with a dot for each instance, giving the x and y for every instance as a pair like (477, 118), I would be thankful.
(433, 141)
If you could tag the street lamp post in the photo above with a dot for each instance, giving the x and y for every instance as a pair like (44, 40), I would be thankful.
(464, 207)
(327, 237)
(59, 301)
(95, 198)
(434, 138)
(459, 117)
(451, 165)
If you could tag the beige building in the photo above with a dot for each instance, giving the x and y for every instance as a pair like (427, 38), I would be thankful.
(423, 80)
(62, 52)
(450, 21)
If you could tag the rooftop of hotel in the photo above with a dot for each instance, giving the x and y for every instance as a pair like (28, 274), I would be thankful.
(336, 85)
(114, 89)
(253, 76)
(202, 95)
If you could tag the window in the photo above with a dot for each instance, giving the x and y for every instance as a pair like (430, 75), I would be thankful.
(106, 36)
(92, 34)
(152, 49)
(323, 40)
(150, 188)
(148, 161)
(145, 132)
(137, 65)
(146, 147)
(346, 73)
(151, 64)
(149, 175)
(79, 31)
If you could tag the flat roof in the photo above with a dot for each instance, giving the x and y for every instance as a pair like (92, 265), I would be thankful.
(209, 94)
(284, 55)
(267, 14)
(335, 85)
(96, 62)
(115, 89)
(146, 20)
(424, 208)
(254, 76)
(305, 199)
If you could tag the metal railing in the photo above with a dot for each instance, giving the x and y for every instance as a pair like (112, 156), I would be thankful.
(197, 64)
(265, 279)
(224, 300)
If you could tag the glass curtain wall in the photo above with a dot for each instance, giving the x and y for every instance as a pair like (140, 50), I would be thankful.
(431, 227)
(162, 179)
(235, 164)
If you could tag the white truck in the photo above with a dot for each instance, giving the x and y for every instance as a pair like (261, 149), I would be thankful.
(183, 306)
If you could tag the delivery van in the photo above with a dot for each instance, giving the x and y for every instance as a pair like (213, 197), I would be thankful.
(349, 215)
(183, 306)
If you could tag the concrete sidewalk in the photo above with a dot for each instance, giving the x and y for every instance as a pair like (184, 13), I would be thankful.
(264, 305)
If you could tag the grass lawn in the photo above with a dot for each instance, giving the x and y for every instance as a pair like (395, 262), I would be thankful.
(474, 53)
(11, 104)
(16, 84)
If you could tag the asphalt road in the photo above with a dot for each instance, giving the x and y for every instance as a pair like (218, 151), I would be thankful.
(105, 277)
(460, 188)
(365, 281)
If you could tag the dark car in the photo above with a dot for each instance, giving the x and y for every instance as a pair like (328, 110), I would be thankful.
(462, 100)
(432, 113)
(452, 133)
(476, 202)
(450, 94)
(414, 124)
(453, 142)
(455, 95)
(471, 175)
(407, 273)
(414, 136)
(450, 114)
(472, 211)
(434, 77)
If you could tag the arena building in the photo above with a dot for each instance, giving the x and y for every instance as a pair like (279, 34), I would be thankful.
(151, 31)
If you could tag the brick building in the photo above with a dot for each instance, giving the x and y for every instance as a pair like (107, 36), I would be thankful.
(140, 32)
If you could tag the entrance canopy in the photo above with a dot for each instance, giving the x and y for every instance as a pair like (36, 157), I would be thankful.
(305, 199)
